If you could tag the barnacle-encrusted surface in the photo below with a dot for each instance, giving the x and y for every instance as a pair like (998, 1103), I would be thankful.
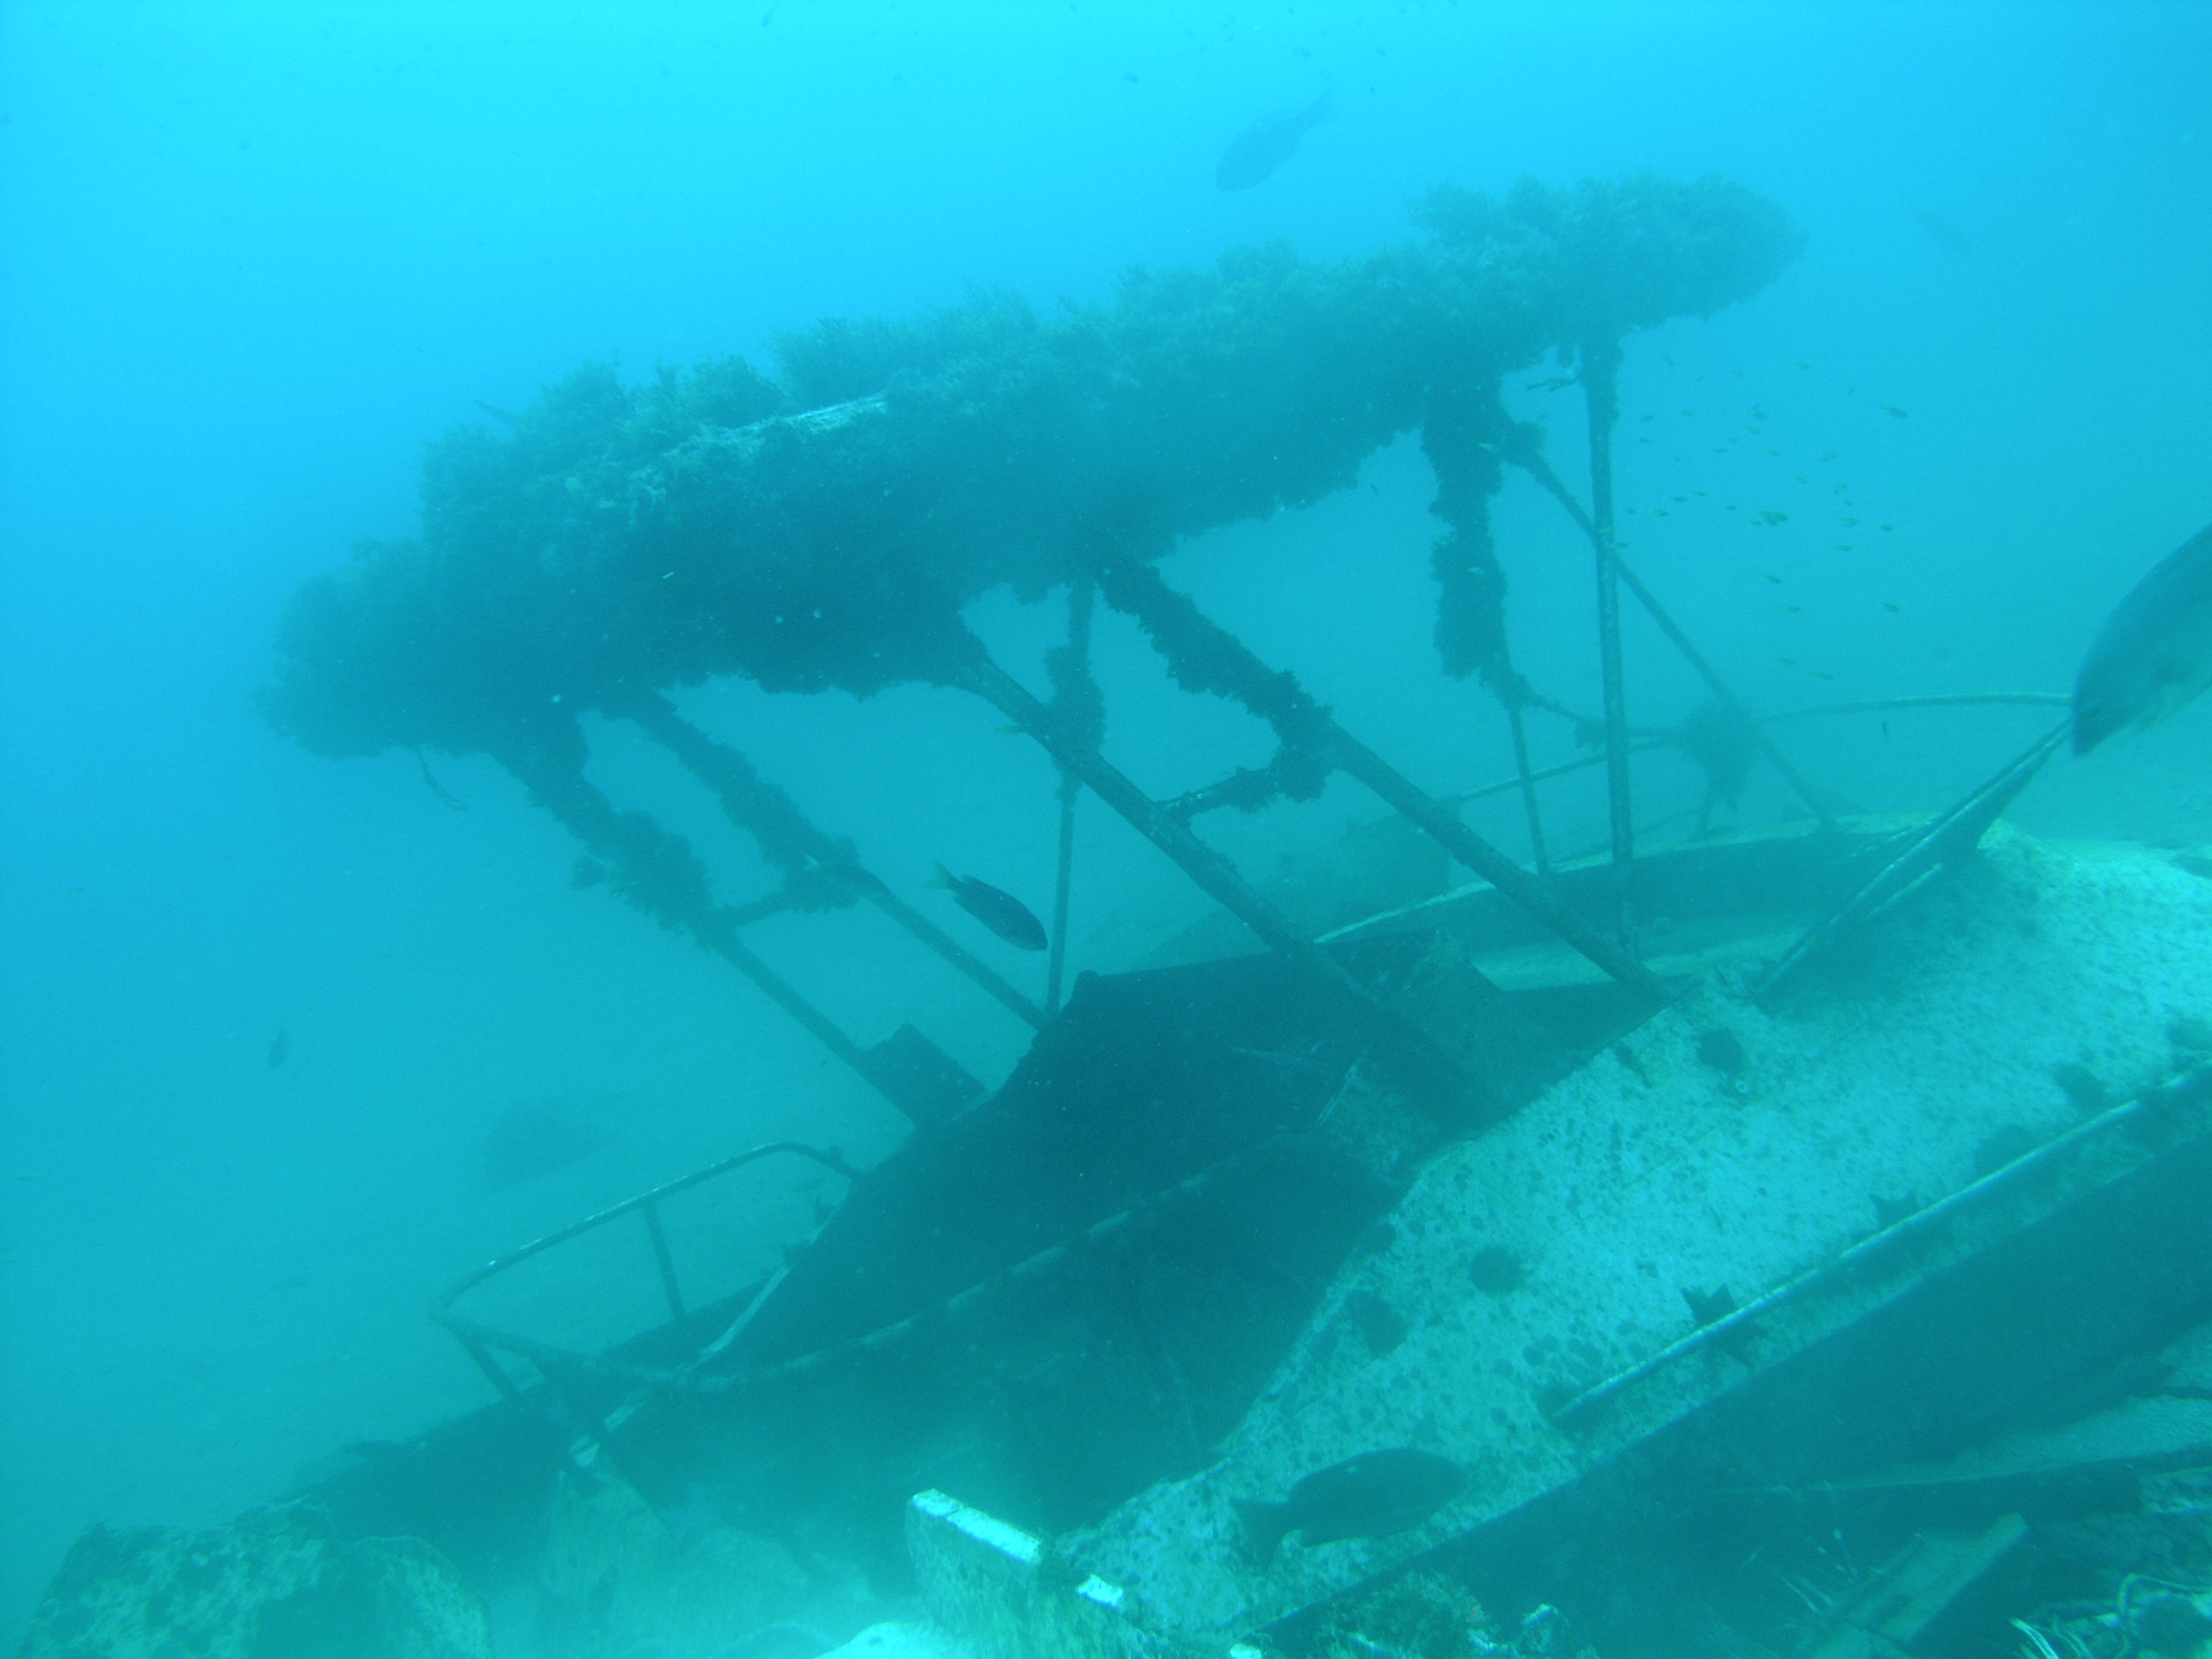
(824, 529)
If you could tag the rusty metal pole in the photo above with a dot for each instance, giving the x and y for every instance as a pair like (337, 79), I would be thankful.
(1081, 596)
(1531, 460)
(658, 872)
(1528, 780)
(1601, 373)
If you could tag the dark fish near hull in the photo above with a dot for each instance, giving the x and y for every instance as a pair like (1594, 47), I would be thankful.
(1001, 912)
(1370, 1496)
(1265, 144)
(2155, 653)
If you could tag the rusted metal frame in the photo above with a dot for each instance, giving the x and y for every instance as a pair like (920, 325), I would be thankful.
(776, 903)
(488, 1363)
(1601, 383)
(1524, 454)
(668, 884)
(1420, 1067)
(1063, 883)
(1299, 720)
(737, 786)
(479, 1339)
(1946, 836)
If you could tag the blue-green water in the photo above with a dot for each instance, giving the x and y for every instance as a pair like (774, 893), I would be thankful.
(261, 1011)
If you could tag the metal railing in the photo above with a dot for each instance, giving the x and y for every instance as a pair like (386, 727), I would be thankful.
(558, 1364)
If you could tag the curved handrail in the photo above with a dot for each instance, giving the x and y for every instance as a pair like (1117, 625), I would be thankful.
(477, 1338)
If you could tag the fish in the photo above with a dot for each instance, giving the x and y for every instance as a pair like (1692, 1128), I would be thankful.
(530, 1139)
(279, 1048)
(1370, 1496)
(2153, 653)
(1001, 912)
(1256, 152)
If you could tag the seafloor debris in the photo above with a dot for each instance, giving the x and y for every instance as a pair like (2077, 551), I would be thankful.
(277, 1581)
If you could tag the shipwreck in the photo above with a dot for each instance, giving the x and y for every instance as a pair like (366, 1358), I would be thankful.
(1788, 1235)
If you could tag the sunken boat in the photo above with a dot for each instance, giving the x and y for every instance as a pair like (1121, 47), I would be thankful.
(1695, 1205)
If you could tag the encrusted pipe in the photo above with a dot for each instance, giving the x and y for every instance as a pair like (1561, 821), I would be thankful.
(786, 836)
(656, 871)
(1205, 656)
(1422, 1068)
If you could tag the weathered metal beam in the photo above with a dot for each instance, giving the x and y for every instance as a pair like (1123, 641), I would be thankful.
(656, 871)
(1601, 372)
(1177, 626)
(741, 790)
(1421, 1066)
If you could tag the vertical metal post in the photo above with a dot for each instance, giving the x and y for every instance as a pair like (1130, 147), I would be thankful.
(1184, 635)
(1600, 380)
(1536, 849)
(662, 1259)
(1531, 460)
(1063, 880)
(1080, 598)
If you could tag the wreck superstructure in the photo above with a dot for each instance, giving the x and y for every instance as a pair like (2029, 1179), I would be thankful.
(1603, 1179)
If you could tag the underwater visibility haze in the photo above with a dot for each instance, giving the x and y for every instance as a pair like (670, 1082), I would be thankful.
(1279, 693)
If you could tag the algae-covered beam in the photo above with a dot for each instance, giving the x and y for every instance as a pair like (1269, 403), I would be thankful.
(1205, 656)
(812, 532)
(784, 834)
(1461, 438)
(1422, 1068)
(656, 871)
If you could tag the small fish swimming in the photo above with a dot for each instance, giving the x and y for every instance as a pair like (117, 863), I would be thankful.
(1265, 144)
(1001, 912)
(1370, 1496)
(279, 1050)
(2153, 653)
